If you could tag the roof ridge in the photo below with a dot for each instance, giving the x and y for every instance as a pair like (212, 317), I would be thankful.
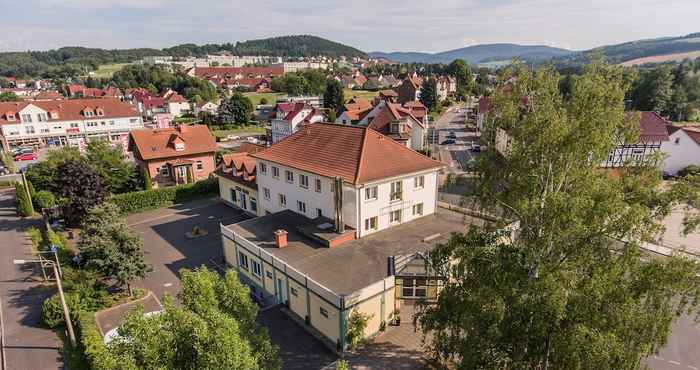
(362, 154)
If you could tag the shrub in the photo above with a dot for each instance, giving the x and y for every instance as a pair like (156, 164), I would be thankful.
(357, 323)
(52, 310)
(84, 292)
(138, 201)
(24, 207)
(691, 170)
(147, 181)
(342, 365)
(43, 199)
(92, 344)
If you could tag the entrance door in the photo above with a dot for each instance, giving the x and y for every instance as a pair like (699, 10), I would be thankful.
(244, 204)
(280, 291)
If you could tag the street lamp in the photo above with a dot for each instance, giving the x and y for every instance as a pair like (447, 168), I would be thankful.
(69, 324)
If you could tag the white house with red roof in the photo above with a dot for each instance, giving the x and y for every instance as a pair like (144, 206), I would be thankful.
(290, 116)
(681, 150)
(653, 133)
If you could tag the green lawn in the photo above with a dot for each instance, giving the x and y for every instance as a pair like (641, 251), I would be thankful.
(107, 70)
(368, 95)
(256, 97)
(256, 130)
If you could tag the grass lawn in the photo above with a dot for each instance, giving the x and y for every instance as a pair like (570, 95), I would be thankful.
(256, 97)
(107, 70)
(368, 95)
(256, 130)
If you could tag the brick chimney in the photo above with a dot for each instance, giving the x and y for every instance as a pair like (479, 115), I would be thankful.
(281, 238)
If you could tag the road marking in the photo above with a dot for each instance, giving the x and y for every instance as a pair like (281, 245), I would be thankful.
(658, 357)
(692, 367)
(674, 362)
(168, 285)
(3, 364)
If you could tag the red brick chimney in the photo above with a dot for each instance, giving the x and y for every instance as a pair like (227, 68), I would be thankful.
(281, 238)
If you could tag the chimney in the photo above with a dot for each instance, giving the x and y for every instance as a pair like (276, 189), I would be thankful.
(281, 238)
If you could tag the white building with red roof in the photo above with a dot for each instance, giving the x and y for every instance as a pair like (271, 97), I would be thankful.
(290, 116)
(64, 122)
(653, 133)
(682, 149)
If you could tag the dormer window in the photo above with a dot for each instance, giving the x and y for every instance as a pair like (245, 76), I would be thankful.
(100, 112)
(54, 114)
(10, 116)
(87, 113)
(179, 146)
(397, 127)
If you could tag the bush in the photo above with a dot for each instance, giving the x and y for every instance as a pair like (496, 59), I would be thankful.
(24, 207)
(84, 292)
(52, 310)
(342, 365)
(357, 323)
(691, 170)
(43, 199)
(138, 201)
(92, 344)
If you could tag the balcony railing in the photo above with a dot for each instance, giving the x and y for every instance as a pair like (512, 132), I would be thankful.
(398, 195)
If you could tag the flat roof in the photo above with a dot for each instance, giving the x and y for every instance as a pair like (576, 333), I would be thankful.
(356, 264)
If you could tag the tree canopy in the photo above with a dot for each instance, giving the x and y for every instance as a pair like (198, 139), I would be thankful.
(235, 110)
(81, 189)
(333, 97)
(566, 285)
(429, 94)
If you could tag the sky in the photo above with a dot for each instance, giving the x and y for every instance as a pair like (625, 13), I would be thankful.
(369, 25)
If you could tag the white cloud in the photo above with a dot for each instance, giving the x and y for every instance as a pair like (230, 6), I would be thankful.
(415, 25)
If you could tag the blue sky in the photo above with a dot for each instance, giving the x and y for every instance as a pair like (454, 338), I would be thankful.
(370, 25)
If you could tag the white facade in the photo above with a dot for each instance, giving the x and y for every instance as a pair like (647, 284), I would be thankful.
(282, 128)
(35, 127)
(680, 151)
(177, 109)
(368, 208)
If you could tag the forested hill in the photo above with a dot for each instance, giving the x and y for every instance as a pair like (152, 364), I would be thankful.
(73, 61)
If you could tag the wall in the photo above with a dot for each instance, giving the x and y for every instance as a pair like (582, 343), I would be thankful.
(207, 162)
(383, 206)
(330, 326)
(680, 155)
(225, 186)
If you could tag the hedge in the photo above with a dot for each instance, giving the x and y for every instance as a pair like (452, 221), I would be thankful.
(43, 199)
(139, 201)
(24, 207)
(91, 343)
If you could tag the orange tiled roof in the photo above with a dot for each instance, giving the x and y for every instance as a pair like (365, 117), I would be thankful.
(150, 144)
(72, 109)
(357, 154)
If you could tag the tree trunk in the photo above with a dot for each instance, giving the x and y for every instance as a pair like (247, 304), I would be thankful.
(131, 293)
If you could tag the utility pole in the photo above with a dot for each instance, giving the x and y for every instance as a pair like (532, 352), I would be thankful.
(69, 324)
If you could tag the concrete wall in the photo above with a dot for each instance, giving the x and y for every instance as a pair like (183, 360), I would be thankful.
(329, 326)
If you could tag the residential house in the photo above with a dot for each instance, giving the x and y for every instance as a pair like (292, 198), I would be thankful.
(652, 134)
(290, 116)
(174, 156)
(206, 106)
(66, 122)
(177, 105)
(386, 95)
(409, 90)
(237, 182)
(482, 112)
(682, 149)
(349, 214)
(353, 111)
(400, 124)
(446, 85)
(48, 95)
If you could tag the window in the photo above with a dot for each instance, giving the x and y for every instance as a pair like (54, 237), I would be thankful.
(200, 165)
(103, 123)
(87, 113)
(395, 216)
(266, 193)
(319, 212)
(234, 197)
(371, 223)
(371, 193)
(324, 312)
(257, 269)
(414, 288)
(418, 209)
(396, 193)
(41, 117)
(111, 123)
(294, 292)
(301, 206)
(289, 176)
(44, 130)
(27, 118)
(242, 260)
(133, 120)
(263, 168)
(283, 200)
(304, 181)
(164, 171)
(74, 125)
(318, 185)
(419, 182)
(269, 274)
(275, 172)
(29, 129)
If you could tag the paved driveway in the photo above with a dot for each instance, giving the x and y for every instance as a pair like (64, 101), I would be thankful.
(28, 345)
(168, 250)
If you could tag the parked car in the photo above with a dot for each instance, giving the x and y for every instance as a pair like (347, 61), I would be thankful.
(476, 148)
(18, 151)
(26, 157)
(232, 137)
(448, 142)
(452, 135)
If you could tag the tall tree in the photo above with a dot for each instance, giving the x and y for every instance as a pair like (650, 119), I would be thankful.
(429, 95)
(236, 110)
(9, 96)
(653, 90)
(334, 97)
(118, 175)
(43, 173)
(80, 187)
(109, 247)
(460, 70)
(568, 288)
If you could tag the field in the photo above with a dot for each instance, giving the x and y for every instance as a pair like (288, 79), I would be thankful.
(107, 70)
(662, 58)
(256, 97)
(241, 131)
(368, 95)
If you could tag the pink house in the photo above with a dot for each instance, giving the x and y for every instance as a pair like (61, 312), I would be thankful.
(174, 156)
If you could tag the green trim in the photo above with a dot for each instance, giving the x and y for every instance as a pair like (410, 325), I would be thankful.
(308, 299)
(343, 330)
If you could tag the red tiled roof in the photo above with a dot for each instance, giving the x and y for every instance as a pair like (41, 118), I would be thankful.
(72, 109)
(159, 143)
(357, 154)
(652, 127)
(48, 95)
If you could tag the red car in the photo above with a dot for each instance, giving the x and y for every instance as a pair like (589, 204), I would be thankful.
(26, 157)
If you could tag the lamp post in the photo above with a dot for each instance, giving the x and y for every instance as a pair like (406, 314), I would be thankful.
(69, 324)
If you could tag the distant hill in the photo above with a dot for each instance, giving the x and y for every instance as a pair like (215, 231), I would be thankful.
(296, 46)
(657, 50)
(479, 54)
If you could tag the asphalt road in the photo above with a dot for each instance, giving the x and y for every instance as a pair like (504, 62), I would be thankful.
(27, 344)
(457, 156)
